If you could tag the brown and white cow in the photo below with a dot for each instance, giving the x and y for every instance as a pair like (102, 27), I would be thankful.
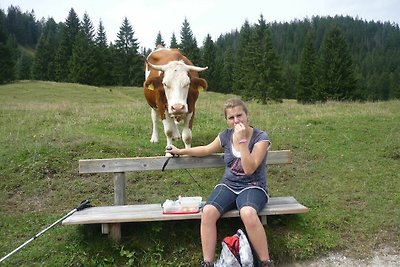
(171, 88)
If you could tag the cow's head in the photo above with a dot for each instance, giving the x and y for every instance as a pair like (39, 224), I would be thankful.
(176, 82)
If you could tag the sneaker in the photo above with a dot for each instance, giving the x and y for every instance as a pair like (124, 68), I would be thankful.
(267, 263)
(207, 264)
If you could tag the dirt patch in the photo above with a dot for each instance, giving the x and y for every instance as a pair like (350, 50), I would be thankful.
(385, 257)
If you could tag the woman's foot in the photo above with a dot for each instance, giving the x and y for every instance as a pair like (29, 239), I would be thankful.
(207, 264)
(267, 263)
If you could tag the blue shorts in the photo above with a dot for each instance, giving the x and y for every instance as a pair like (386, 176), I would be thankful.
(224, 199)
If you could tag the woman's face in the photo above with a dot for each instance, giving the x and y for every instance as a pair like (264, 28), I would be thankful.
(235, 116)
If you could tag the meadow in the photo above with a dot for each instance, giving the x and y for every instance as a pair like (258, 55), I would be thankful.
(346, 162)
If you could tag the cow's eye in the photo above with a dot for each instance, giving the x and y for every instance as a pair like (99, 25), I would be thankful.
(165, 85)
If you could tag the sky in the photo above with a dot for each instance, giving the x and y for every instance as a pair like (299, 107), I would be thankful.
(214, 17)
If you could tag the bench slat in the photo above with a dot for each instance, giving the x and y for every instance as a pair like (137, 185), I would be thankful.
(153, 212)
(155, 163)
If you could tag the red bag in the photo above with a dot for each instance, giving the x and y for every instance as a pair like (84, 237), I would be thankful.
(233, 244)
(236, 251)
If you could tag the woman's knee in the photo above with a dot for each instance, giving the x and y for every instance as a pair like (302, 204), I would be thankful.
(249, 216)
(210, 214)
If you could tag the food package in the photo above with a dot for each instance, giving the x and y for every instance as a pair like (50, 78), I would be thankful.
(183, 205)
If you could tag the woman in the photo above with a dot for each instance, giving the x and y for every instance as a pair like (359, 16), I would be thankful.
(243, 185)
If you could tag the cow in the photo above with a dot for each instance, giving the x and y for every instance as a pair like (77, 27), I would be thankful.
(171, 88)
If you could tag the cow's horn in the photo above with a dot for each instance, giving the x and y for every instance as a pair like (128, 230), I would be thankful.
(195, 68)
(157, 67)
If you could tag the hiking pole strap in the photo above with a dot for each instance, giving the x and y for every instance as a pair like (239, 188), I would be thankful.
(83, 205)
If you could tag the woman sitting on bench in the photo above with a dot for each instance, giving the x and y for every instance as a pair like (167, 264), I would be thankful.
(243, 185)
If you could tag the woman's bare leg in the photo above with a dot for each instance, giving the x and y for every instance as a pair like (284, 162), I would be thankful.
(255, 231)
(208, 231)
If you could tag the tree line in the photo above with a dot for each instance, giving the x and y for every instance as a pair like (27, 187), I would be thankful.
(311, 60)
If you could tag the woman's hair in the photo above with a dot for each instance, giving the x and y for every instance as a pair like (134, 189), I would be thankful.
(235, 102)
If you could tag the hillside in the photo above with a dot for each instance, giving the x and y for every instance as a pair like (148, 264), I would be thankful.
(345, 169)
(363, 60)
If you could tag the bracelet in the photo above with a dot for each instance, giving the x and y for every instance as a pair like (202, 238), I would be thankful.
(242, 141)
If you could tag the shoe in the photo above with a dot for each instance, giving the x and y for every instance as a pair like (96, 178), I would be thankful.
(207, 264)
(267, 263)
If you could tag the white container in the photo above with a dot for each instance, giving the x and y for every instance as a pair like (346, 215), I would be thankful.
(182, 205)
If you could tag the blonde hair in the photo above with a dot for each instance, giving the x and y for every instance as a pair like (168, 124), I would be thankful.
(234, 102)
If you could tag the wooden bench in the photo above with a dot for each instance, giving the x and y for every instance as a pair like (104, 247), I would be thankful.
(111, 217)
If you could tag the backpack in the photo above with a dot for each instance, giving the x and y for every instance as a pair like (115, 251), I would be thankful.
(236, 251)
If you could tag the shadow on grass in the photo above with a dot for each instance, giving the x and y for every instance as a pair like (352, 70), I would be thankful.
(176, 243)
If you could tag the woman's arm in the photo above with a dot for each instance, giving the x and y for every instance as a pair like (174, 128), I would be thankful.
(251, 161)
(199, 151)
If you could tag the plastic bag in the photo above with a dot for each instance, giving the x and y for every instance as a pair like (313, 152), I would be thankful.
(236, 251)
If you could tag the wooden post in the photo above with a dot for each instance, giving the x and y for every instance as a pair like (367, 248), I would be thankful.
(105, 229)
(263, 219)
(115, 231)
(119, 199)
(119, 189)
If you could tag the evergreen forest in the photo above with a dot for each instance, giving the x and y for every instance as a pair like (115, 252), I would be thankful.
(312, 60)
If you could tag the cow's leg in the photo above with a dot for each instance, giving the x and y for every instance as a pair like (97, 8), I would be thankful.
(176, 135)
(154, 135)
(169, 125)
(187, 132)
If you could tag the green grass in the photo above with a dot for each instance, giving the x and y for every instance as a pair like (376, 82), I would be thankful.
(346, 170)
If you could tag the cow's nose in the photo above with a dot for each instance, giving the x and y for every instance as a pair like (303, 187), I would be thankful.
(177, 108)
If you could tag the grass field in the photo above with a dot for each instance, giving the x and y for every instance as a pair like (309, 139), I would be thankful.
(346, 170)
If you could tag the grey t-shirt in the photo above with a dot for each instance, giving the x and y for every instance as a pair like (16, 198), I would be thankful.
(234, 176)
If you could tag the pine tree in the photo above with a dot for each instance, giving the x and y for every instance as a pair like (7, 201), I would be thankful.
(307, 79)
(145, 52)
(64, 53)
(83, 63)
(33, 30)
(24, 32)
(129, 67)
(174, 42)
(12, 44)
(208, 59)
(241, 68)
(250, 67)
(101, 37)
(24, 66)
(188, 44)
(337, 79)
(257, 70)
(87, 27)
(14, 24)
(7, 63)
(159, 40)
(267, 84)
(289, 79)
(395, 84)
(44, 62)
(227, 67)
(103, 58)
(23, 26)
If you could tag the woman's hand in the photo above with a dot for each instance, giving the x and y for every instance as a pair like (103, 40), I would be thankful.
(172, 150)
(199, 151)
(240, 131)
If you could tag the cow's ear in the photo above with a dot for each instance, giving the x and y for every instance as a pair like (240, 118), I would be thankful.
(201, 84)
(152, 83)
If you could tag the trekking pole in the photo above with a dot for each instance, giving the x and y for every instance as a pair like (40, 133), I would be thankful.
(177, 156)
(83, 205)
